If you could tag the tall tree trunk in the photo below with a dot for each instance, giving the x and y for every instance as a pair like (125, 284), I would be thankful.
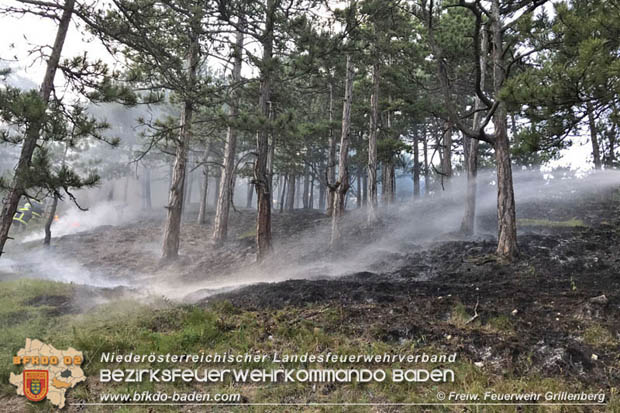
(170, 172)
(250, 194)
(126, 183)
(172, 229)
(146, 188)
(372, 146)
(290, 193)
(16, 189)
(261, 170)
(513, 118)
(342, 185)
(471, 153)
(471, 165)
(416, 166)
(427, 179)
(279, 195)
(611, 160)
(507, 247)
(311, 197)
(446, 161)
(322, 194)
(596, 154)
(284, 183)
(217, 179)
(220, 231)
(506, 214)
(388, 172)
(204, 188)
(126, 188)
(110, 196)
(190, 184)
(306, 193)
(389, 183)
(331, 155)
(359, 189)
(52, 210)
(271, 155)
(49, 221)
(298, 193)
(365, 189)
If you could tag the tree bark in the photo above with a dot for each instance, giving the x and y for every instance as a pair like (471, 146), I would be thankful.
(172, 229)
(416, 166)
(204, 188)
(331, 155)
(220, 231)
(279, 195)
(506, 214)
(50, 220)
(322, 194)
(190, 184)
(596, 154)
(146, 195)
(126, 188)
(471, 153)
(446, 164)
(507, 247)
(306, 193)
(611, 160)
(284, 183)
(365, 189)
(342, 185)
(290, 193)
(261, 170)
(359, 189)
(250, 195)
(372, 147)
(386, 184)
(311, 197)
(52, 211)
(217, 179)
(471, 164)
(427, 179)
(388, 172)
(16, 189)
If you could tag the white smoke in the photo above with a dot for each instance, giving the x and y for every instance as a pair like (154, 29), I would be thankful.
(74, 220)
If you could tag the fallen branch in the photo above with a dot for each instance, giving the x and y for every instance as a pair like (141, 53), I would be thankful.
(475, 312)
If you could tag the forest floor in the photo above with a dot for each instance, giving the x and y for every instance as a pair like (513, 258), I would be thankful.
(549, 321)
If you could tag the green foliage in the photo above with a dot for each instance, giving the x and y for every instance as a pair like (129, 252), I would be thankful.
(23, 113)
(388, 148)
(575, 70)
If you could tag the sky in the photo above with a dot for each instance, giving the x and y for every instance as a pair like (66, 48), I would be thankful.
(20, 35)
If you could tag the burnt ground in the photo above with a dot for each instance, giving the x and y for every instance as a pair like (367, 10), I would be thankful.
(554, 311)
(541, 314)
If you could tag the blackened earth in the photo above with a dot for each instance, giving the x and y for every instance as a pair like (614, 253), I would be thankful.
(529, 316)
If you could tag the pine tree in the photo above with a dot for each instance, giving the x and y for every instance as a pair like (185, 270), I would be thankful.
(35, 118)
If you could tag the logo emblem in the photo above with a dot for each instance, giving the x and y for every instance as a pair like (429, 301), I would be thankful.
(36, 384)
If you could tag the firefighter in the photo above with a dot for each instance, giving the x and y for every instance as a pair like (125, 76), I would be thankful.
(31, 209)
(23, 216)
(37, 209)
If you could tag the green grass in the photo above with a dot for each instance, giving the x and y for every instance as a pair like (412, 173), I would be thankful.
(598, 336)
(460, 317)
(571, 223)
(500, 323)
(251, 233)
(130, 326)
(20, 320)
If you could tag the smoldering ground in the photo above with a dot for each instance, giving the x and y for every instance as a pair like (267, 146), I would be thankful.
(113, 244)
(412, 278)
